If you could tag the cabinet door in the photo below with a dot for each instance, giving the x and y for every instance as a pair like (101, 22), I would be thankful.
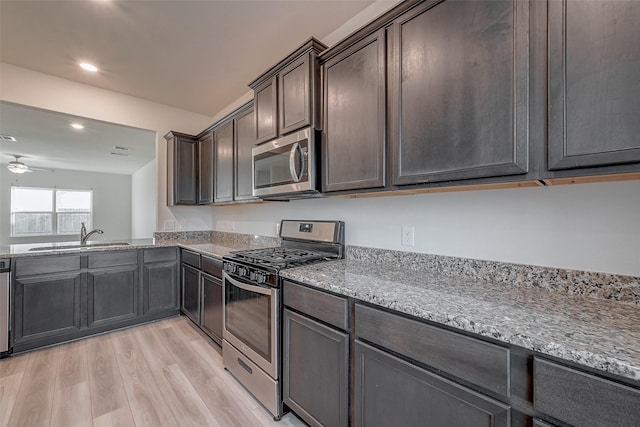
(205, 169)
(191, 293)
(389, 391)
(594, 89)
(245, 141)
(354, 117)
(112, 295)
(266, 106)
(160, 287)
(186, 171)
(294, 95)
(211, 320)
(223, 167)
(581, 399)
(315, 370)
(46, 306)
(459, 91)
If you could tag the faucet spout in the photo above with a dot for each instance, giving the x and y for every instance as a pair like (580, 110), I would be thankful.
(84, 236)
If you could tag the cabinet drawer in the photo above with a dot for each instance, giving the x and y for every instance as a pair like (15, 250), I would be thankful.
(112, 259)
(211, 266)
(581, 399)
(161, 254)
(47, 264)
(389, 391)
(328, 308)
(191, 258)
(470, 359)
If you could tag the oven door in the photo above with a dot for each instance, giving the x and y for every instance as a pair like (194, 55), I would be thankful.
(251, 321)
(285, 165)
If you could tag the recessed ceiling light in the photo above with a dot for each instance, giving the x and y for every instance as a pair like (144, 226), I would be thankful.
(89, 67)
(76, 126)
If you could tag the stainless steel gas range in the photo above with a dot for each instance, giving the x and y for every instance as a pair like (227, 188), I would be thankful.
(252, 307)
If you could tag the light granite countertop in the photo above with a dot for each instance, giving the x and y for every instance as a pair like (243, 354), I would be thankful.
(597, 333)
(212, 249)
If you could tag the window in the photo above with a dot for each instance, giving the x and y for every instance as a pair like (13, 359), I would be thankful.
(47, 211)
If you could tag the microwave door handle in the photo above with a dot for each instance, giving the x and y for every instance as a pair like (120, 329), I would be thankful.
(292, 162)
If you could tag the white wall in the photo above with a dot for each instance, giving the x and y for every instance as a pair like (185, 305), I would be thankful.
(593, 227)
(27, 87)
(111, 201)
(143, 201)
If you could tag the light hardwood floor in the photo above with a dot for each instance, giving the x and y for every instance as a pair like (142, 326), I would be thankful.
(160, 374)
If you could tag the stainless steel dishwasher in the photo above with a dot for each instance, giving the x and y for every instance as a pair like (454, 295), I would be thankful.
(5, 264)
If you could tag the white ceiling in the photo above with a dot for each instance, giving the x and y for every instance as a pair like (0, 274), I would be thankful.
(195, 55)
(45, 139)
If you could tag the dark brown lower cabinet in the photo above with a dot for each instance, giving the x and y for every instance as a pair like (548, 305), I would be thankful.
(190, 305)
(57, 298)
(582, 399)
(315, 370)
(201, 292)
(45, 308)
(390, 391)
(211, 315)
(160, 280)
(112, 295)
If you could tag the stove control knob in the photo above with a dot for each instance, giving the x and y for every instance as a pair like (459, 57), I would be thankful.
(252, 276)
(261, 278)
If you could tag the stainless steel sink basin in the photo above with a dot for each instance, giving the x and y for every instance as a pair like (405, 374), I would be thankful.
(78, 246)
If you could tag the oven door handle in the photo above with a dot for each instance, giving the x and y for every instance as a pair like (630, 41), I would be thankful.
(247, 287)
(296, 148)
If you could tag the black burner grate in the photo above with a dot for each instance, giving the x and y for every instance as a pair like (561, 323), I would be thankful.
(278, 257)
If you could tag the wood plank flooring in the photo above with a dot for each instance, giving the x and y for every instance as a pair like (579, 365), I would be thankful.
(165, 373)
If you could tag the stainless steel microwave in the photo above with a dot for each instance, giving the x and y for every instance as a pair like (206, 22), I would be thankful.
(286, 168)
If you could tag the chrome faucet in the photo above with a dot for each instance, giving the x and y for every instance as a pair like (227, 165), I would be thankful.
(84, 236)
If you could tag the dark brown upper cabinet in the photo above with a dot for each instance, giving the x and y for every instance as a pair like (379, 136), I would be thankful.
(266, 104)
(594, 84)
(234, 139)
(287, 95)
(459, 91)
(354, 142)
(182, 169)
(205, 169)
(223, 164)
(245, 140)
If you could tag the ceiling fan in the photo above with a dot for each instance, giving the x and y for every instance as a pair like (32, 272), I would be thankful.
(18, 167)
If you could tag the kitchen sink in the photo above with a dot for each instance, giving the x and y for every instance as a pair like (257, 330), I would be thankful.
(78, 246)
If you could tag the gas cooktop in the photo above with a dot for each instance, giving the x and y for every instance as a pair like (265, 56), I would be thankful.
(279, 257)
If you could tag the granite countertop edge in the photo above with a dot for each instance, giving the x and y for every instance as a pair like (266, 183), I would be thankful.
(553, 332)
(202, 247)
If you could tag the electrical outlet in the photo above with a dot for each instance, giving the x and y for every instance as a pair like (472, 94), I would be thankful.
(183, 224)
(277, 228)
(408, 235)
(169, 224)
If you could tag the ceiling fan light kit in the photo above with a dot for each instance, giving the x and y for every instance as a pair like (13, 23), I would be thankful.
(17, 167)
